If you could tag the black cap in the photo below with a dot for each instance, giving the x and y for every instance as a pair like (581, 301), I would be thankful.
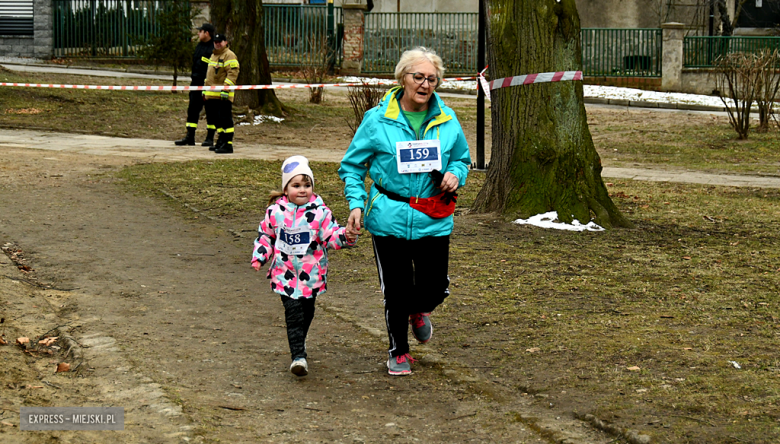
(208, 27)
(219, 38)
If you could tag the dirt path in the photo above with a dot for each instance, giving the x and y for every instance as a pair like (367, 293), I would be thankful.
(172, 324)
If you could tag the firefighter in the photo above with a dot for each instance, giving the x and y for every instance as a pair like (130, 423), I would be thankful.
(200, 63)
(223, 71)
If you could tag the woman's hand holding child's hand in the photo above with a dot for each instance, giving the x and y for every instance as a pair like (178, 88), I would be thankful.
(257, 265)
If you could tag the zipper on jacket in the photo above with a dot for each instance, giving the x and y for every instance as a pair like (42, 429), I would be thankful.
(295, 267)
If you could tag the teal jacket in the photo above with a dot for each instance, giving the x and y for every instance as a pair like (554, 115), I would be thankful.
(373, 150)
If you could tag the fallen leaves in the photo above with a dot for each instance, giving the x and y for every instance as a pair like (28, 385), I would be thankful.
(633, 369)
(24, 111)
(48, 341)
(63, 367)
(22, 341)
(3, 341)
(533, 349)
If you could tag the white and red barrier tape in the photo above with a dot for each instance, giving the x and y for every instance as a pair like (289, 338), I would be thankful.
(202, 88)
(493, 84)
(528, 79)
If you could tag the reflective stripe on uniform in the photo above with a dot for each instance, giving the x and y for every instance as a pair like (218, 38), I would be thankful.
(211, 127)
(229, 130)
(217, 93)
(192, 125)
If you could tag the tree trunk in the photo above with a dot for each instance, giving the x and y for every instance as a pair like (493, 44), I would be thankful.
(543, 157)
(242, 22)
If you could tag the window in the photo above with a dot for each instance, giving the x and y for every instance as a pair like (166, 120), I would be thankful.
(16, 17)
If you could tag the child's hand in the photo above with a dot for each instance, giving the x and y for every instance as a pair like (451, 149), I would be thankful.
(351, 238)
(256, 265)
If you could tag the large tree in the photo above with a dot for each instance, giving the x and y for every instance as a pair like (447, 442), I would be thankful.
(543, 157)
(242, 22)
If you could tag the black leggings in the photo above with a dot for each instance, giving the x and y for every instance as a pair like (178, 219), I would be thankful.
(298, 313)
(413, 277)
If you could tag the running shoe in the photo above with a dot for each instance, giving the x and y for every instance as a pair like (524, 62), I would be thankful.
(422, 329)
(299, 367)
(400, 365)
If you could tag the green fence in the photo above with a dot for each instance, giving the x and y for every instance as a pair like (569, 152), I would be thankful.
(611, 52)
(452, 35)
(702, 52)
(103, 28)
(297, 35)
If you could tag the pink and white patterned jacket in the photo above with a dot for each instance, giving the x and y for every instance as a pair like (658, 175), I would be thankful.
(305, 275)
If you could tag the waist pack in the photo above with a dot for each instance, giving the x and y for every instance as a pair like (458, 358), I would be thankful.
(439, 206)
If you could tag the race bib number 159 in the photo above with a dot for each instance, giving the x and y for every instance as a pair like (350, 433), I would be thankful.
(418, 156)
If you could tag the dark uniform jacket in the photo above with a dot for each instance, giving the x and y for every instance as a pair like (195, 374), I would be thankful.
(200, 62)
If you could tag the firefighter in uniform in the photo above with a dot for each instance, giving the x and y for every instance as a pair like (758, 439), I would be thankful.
(223, 71)
(200, 63)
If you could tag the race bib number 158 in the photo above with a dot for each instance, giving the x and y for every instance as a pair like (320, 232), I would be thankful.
(293, 241)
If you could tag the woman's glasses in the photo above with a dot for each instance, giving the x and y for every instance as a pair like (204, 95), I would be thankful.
(419, 78)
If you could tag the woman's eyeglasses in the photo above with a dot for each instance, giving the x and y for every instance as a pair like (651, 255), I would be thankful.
(419, 78)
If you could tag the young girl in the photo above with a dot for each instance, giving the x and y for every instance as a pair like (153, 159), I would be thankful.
(294, 237)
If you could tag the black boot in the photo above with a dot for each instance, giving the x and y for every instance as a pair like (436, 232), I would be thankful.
(227, 147)
(209, 138)
(189, 139)
(220, 142)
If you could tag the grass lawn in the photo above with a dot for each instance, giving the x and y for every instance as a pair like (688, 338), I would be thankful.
(622, 136)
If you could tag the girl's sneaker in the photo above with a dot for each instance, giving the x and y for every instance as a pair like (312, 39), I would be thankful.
(422, 329)
(400, 365)
(299, 367)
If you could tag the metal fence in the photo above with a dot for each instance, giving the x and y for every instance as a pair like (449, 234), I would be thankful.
(299, 35)
(104, 28)
(703, 52)
(609, 52)
(452, 35)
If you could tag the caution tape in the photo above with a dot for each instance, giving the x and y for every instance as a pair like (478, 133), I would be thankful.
(203, 88)
(559, 76)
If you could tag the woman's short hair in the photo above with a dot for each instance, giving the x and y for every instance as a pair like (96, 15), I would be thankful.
(414, 56)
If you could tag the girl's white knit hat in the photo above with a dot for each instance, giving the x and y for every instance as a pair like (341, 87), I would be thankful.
(294, 166)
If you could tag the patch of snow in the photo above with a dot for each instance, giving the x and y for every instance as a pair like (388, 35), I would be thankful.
(633, 94)
(261, 119)
(550, 220)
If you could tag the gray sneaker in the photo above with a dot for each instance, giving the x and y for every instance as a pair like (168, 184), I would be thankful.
(299, 367)
(422, 329)
(400, 365)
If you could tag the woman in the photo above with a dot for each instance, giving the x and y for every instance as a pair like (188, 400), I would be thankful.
(414, 148)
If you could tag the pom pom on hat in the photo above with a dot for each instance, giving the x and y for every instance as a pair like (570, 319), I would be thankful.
(294, 166)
